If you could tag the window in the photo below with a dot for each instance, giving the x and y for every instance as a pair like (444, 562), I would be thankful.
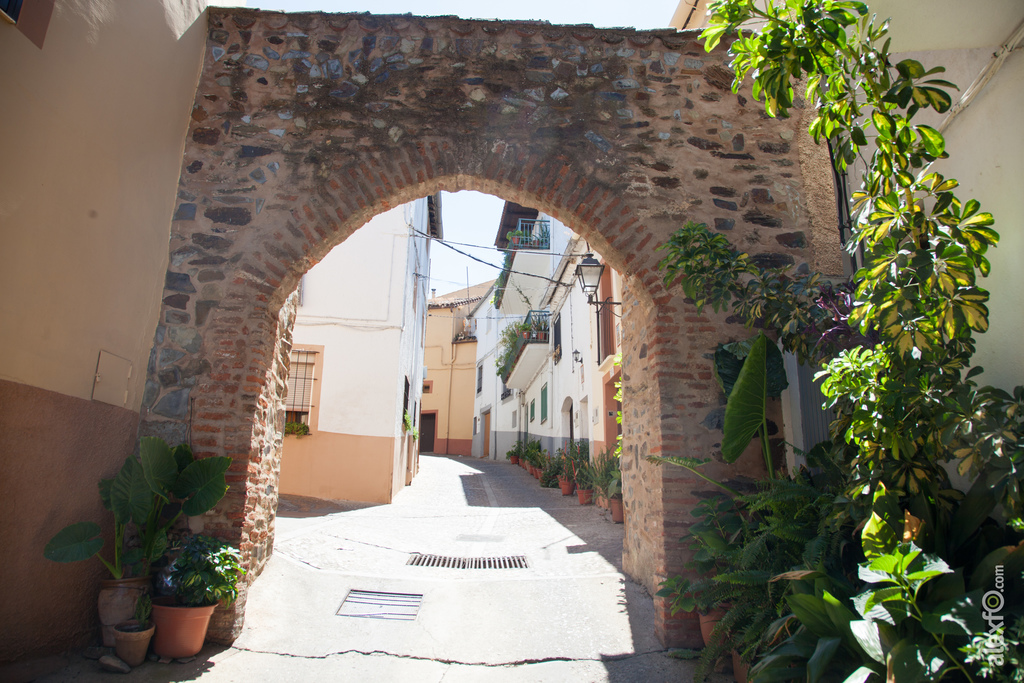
(544, 403)
(428, 386)
(556, 337)
(405, 403)
(300, 386)
(479, 378)
(474, 425)
(533, 404)
(11, 8)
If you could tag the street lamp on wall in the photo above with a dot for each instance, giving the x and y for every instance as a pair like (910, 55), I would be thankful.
(588, 273)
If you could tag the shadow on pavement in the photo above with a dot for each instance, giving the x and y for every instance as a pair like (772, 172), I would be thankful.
(302, 506)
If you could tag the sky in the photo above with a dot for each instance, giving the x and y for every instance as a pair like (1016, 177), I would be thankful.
(471, 217)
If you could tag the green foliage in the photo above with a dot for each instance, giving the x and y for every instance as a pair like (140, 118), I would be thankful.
(296, 428)
(143, 608)
(740, 544)
(551, 471)
(999, 656)
(137, 495)
(745, 411)
(606, 475)
(911, 612)
(897, 352)
(508, 344)
(206, 572)
(408, 427)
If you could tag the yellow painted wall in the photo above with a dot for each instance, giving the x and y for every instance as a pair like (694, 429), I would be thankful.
(451, 367)
(339, 467)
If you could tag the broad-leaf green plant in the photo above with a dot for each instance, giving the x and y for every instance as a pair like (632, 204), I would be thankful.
(137, 495)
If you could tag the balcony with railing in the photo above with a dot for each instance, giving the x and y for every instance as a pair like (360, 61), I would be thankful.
(528, 352)
(527, 257)
(530, 234)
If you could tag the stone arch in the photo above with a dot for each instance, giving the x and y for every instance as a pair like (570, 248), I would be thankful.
(307, 125)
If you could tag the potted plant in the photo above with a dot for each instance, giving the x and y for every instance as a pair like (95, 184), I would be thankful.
(551, 475)
(205, 573)
(131, 638)
(583, 474)
(513, 453)
(614, 493)
(565, 480)
(137, 496)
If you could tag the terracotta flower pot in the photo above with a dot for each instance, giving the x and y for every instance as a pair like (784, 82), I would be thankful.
(708, 622)
(586, 496)
(567, 485)
(515, 459)
(615, 506)
(117, 602)
(180, 631)
(739, 668)
(131, 645)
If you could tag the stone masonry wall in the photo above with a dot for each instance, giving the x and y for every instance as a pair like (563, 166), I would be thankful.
(307, 125)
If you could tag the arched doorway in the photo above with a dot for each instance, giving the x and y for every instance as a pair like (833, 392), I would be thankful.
(307, 125)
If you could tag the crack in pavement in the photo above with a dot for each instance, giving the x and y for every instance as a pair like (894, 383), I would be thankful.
(518, 662)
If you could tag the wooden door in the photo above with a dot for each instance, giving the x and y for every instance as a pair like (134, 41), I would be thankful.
(428, 428)
(487, 435)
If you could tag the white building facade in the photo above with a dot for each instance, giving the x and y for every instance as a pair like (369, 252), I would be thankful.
(549, 386)
(357, 361)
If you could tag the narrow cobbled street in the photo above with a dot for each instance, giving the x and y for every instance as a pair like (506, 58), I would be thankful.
(569, 615)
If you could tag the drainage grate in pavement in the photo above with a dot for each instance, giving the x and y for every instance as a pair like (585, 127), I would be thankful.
(375, 605)
(507, 562)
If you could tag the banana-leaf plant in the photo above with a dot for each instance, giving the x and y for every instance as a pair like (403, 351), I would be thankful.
(138, 495)
(749, 372)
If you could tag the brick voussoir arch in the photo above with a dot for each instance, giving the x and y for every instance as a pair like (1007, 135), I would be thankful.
(306, 126)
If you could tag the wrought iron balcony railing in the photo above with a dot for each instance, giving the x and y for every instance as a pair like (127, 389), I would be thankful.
(530, 234)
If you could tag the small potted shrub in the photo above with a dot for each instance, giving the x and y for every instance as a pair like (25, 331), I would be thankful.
(131, 638)
(204, 574)
(584, 476)
(614, 493)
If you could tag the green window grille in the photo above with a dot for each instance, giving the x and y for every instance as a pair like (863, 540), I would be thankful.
(544, 403)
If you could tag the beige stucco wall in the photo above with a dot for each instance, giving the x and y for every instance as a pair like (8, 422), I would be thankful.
(96, 123)
(985, 145)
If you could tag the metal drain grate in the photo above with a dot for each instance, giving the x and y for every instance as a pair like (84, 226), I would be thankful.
(375, 605)
(507, 562)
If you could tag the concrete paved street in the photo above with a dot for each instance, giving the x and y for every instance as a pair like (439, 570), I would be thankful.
(570, 616)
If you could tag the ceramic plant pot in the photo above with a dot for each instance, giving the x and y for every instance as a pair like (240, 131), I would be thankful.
(515, 459)
(615, 506)
(586, 496)
(132, 644)
(567, 485)
(708, 622)
(739, 668)
(117, 602)
(180, 631)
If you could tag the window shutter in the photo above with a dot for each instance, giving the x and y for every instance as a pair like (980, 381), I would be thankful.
(300, 381)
